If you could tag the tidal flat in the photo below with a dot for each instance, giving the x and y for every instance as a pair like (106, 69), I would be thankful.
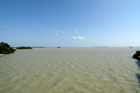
(70, 70)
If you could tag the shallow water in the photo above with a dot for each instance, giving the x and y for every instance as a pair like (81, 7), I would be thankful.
(70, 70)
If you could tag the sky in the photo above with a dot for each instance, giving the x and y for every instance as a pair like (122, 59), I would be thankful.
(70, 23)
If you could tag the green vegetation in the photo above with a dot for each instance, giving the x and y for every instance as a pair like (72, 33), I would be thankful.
(6, 49)
(23, 47)
(137, 55)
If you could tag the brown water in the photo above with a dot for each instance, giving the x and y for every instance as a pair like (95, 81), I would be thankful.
(70, 70)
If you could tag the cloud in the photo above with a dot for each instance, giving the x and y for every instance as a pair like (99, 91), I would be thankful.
(75, 31)
(61, 32)
(36, 24)
(6, 27)
(57, 34)
(55, 30)
(79, 37)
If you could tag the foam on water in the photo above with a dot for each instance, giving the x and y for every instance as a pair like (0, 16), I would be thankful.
(69, 70)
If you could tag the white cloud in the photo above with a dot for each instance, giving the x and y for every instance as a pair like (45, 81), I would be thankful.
(75, 31)
(79, 37)
(57, 34)
(61, 32)
(74, 37)
(55, 30)
(6, 27)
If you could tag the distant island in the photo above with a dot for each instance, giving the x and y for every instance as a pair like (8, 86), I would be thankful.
(38, 47)
(58, 47)
(24, 47)
(6, 49)
(101, 46)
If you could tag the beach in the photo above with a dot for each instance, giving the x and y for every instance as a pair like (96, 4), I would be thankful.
(70, 70)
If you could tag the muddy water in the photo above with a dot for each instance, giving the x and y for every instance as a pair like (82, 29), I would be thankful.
(70, 70)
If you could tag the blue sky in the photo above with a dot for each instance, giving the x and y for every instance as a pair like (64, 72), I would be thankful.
(70, 23)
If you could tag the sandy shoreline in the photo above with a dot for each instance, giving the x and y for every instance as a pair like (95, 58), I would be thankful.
(1, 55)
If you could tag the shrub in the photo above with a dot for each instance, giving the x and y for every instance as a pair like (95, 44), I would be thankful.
(23, 47)
(136, 55)
(6, 49)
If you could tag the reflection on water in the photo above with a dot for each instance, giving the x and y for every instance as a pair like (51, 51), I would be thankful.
(69, 70)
